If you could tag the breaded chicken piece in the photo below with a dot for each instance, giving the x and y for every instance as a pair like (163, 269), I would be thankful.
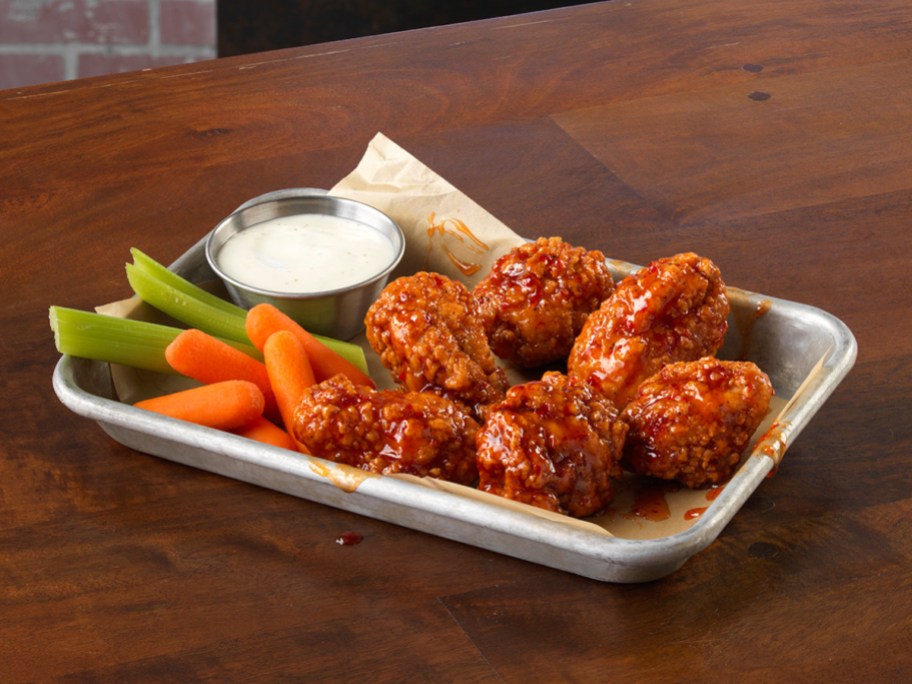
(534, 301)
(423, 328)
(691, 421)
(675, 309)
(552, 443)
(387, 431)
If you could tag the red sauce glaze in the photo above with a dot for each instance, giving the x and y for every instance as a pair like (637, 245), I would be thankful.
(466, 267)
(774, 442)
(713, 493)
(458, 230)
(535, 300)
(694, 513)
(692, 421)
(423, 329)
(675, 309)
(651, 503)
(553, 444)
(387, 431)
(350, 539)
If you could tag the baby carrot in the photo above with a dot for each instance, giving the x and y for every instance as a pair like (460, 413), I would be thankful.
(207, 359)
(267, 432)
(265, 319)
(289, 371)
(225, 405)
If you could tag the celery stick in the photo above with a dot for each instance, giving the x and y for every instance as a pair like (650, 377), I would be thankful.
(161, 273)
(185, 307)
(350, 352)
(110, 338)
(194, 306)
(118, 340)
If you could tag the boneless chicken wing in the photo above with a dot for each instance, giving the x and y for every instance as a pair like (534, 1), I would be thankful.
(534, 301)
(675, 309)
(387, 431)
(692, 420)
(423, 328)
(554, 444)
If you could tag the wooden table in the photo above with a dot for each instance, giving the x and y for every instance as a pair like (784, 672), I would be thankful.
(772, 137)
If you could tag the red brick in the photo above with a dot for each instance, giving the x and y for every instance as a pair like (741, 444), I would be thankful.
(23, 70)
(119, 22)
(91, 64)
(112, 22)
(185, 22)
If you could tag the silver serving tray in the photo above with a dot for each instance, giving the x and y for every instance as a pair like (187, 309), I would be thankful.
(805, 351)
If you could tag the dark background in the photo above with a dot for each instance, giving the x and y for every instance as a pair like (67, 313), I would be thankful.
(246, 26)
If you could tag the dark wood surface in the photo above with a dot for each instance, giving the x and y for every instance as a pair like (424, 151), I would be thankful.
(772, 137)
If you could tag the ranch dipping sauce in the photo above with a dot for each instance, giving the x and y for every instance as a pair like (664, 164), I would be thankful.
(304, 253)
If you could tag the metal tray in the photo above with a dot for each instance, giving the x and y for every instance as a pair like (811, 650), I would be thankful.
(805, 351)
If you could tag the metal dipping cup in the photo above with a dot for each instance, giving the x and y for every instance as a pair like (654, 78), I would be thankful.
(337, 313)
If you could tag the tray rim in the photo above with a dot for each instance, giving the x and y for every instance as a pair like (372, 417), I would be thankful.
(544, 541)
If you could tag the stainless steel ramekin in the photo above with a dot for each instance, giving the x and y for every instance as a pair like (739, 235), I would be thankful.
(337, 313)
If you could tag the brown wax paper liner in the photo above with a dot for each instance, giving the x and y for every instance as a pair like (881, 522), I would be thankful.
(445, 231)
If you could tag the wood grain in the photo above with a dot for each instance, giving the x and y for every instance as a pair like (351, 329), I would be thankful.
(624, 126)
(771, 144)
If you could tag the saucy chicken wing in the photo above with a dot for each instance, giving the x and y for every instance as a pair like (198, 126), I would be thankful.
(534, 301)
(675, 309)
(423, 328)
(387, 431)
(691, 421)
(552, 443)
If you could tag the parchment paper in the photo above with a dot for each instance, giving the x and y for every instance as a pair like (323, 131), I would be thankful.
(445, 230)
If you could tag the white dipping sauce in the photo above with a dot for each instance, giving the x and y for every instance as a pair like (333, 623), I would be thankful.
(305, 253)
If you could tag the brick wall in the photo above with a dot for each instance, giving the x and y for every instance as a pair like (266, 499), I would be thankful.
(56, 40)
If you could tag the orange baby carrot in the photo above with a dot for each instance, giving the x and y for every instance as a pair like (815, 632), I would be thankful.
(267, 432)
(289, 371)
(265, 319)
(207, 359)
(225, 405)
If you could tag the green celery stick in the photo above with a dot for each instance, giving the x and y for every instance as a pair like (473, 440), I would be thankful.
(184, 307)
(351, 352)
(193, 306)
(110, 338)
(165, 276)
(118, 340)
